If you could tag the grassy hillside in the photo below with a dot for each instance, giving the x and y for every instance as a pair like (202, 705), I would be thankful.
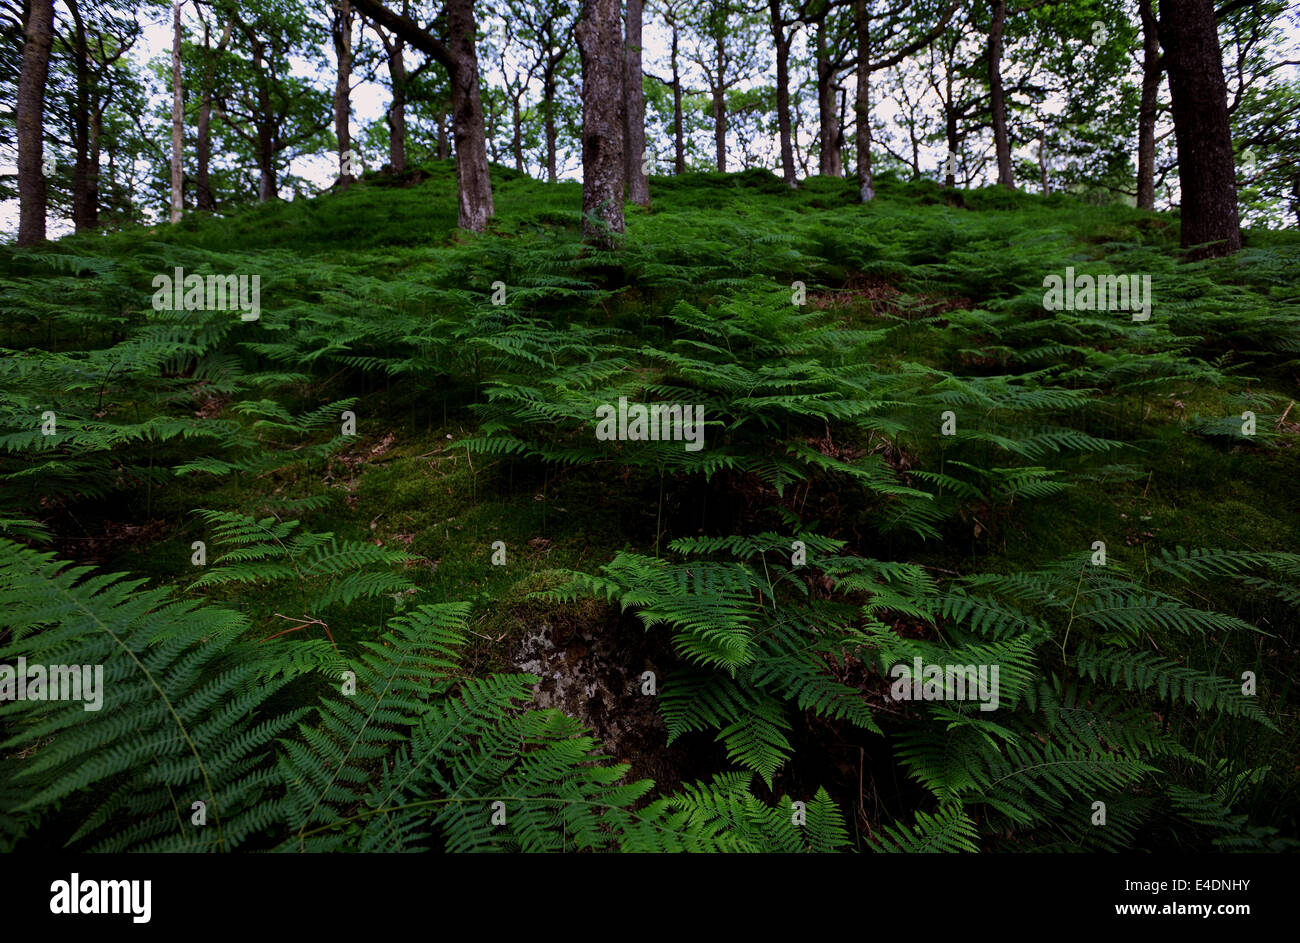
(915, 461)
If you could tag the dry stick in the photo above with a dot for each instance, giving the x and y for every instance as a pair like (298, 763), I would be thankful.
(305, 622)
(1285, 413)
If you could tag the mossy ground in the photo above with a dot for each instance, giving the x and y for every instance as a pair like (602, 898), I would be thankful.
(920, 257)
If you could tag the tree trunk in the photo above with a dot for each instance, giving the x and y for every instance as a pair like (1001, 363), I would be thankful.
(720, 129)
(1152, 66)
(634, 148)
(997, 97)
(1206, 174)
(949, 132)
(720, 105)
(397, 109)
(38, 34)
(203, 196)
(783, 93)
(602, 139)
(830, 163)
(473, 181)
(548, 102)
(83, 214)
(679, 124)
(444, 150)
(92, 175)
(268, 185)
(341, 31)
(517, 132)
(862, 102)
(178, 119)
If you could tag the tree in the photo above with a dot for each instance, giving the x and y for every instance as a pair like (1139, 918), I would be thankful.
(178, 118)
(544, 27)
(727, 54)
(781, 40)
(1152, 71)
(886, 27)
(1198, 93)
(997, 96)
(459, 56)
(394, 50)
(283, 110)
(38, 35)
(341, 34)
(671, 13)
(601, 47)
(638, 181)
(834, 42)
(210, 57)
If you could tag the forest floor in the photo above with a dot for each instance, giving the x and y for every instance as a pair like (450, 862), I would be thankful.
(922, 315)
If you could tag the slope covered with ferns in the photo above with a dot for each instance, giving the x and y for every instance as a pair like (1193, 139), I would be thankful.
(343, 670)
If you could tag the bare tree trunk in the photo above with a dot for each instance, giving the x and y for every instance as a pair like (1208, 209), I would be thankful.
(83, 214)
(1042, 162)
(341, 31)
(444, 149)
(548, 102)
(473, 180)
(1152, 66)
(38, 34)
(997, 97)
(720, 104)
(638, 181)
(679, 132)
(203, 197)
(268, 184)
(517, 132)
(600, 46)
(397, 109)
(783, 93)
(830, 163)
(862, 102)
(92, 175)
(1206, 173)
(178, 118)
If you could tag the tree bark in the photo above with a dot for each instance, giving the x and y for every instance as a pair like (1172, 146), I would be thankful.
(341, 32)
(950, 134)
(38, 34)
(178, 119)
(1152, 66)
(782, 42)
(679, 123)
(548, 105)
(997, 96)
(397, 108)
(600, 46)
(268, 183)
(1206, 173)
(634, 149)
(83, 214)
(862, 102)
(720, 104)
(203, 196)
(473, 181)
(517, 131)
(830, 163)
(92, 175)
